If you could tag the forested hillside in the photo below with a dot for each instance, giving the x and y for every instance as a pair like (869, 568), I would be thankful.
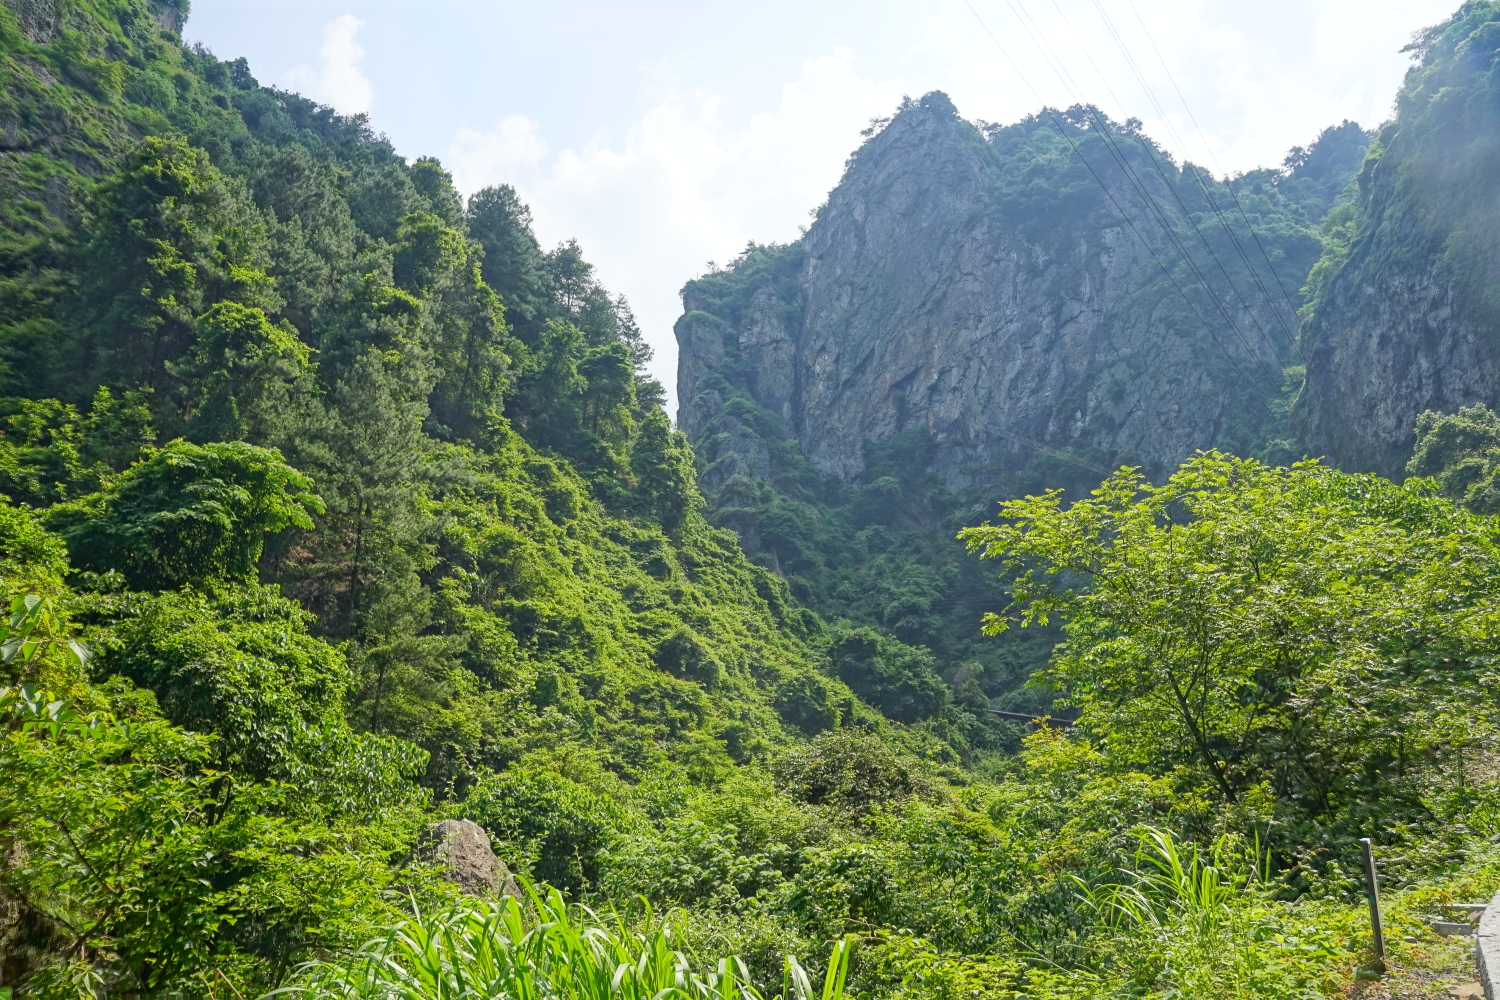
(334, 505)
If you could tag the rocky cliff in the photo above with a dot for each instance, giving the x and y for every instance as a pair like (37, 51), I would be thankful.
(1046, 299)
(1407, 311)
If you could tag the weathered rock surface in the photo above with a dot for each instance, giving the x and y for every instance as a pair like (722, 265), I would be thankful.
(1409, 317)
(930, 294)
(1386, 349)
(463, 848)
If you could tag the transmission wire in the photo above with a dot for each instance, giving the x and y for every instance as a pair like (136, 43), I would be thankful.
(1172, 187)
(1124, 216)
(1293, 336)
(1145, 195)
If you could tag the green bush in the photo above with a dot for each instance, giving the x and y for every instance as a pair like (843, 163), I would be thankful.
(559, 827)
(852, 770)
(186, 515)
(897, 679)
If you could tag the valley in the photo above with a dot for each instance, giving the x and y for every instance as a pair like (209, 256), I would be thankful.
(375, 632)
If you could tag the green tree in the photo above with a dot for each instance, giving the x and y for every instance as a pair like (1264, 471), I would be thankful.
(168, 237)
(357, 570)
(662, 463)
(514, 265)
(151, 872)
(239, 665)
(108, 815)
(467, 326)
(566, 827)
(40, 452)
(1461, 451)
(48, 452)
(28, 550)
(896, 678)
(852, 770)
(235, 379)
(575, 399)
(1301, 633)
(186, 514)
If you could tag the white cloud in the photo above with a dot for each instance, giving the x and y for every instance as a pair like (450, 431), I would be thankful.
(682, 184)
(480, 158)
(339, 81)
(1258, 78)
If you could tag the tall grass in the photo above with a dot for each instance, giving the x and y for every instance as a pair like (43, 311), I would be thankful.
(546, 950)
(1168, 884)
(1187, 925)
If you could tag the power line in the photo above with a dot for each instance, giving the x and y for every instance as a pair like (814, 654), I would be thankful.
(1172, 129)
(1124, 216)
(1121, 158)
(1172, 186)
(1293, 335)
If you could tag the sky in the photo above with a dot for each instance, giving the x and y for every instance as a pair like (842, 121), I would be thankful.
(665, 136)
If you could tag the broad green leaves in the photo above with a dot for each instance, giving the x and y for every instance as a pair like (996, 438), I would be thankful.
(32, 631)
(1320, 638)
(187, 514)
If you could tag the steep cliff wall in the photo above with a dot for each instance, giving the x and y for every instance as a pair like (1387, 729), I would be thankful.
(980, 287)
(972, 314)
(1407, 315)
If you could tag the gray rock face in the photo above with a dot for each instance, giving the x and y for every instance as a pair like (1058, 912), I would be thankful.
(39, 19)
(1408, 315)
(1386, 348)
(920, 304)
(462, 846)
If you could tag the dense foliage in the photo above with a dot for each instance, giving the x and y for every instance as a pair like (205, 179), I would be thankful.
(1314, 644)
(335, 505)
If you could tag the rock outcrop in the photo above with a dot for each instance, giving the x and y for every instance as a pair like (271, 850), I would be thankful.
(981, 287)
(1387, 349)
(463, 848)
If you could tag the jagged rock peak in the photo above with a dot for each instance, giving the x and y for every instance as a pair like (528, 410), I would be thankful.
(977, 285)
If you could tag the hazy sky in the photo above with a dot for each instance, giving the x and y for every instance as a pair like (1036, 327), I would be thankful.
(665, 135)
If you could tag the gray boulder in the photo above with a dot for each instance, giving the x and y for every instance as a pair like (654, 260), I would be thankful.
(463, 848)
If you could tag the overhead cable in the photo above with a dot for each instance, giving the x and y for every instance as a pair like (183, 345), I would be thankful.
(1122, 160)
(1124, 216)
(1171, 185)
(1293, 334)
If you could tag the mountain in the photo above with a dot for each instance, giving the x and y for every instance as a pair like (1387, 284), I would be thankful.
(1406, 315)
(982, 287)
(190, 255)
(979, 312)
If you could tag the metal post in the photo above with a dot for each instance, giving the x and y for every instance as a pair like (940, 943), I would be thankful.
(1372, 893)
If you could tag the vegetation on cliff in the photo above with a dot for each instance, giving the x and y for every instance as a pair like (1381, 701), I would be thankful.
(1412, 262)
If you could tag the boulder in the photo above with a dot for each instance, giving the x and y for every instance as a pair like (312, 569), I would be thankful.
(463, 848)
